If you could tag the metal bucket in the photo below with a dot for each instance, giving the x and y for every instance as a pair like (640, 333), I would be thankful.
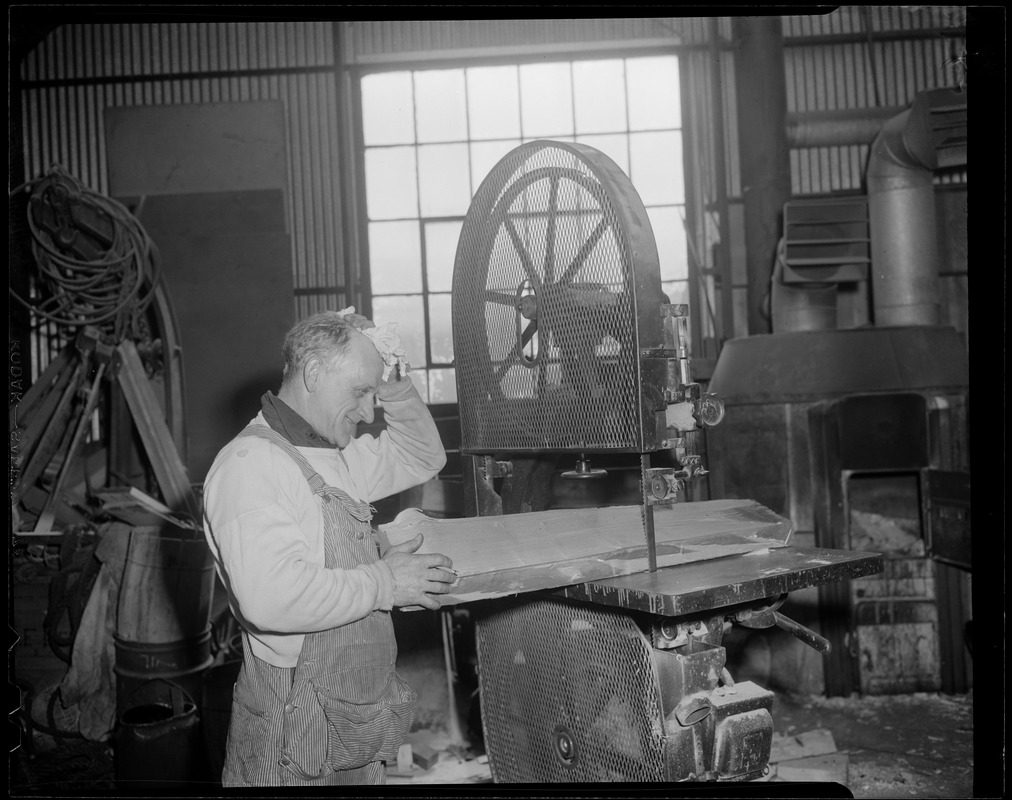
(158, 743)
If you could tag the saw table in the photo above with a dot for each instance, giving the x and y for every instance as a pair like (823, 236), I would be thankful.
(726, 582)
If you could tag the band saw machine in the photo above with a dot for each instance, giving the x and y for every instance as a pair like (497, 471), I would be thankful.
(565, 344)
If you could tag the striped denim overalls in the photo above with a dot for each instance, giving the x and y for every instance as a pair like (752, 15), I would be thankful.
(343, 710)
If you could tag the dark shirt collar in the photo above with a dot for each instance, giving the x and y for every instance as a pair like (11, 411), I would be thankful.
(286, 421)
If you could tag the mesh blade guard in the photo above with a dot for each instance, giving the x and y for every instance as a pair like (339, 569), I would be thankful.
(556, 300)
(569, 693)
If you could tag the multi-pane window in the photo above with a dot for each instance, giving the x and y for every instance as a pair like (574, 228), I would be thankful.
(431, 136)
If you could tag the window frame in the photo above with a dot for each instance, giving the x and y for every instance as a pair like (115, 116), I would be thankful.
(359, 214)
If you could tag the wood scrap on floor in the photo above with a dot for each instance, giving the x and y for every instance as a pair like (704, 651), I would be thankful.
(448, 769)
(832, 768)
(816, 742)
(434, 758)
(496, 556)
(810, 756)
(424, 756)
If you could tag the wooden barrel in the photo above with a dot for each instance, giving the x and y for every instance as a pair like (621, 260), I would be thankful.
(164, 614)
(165, 595)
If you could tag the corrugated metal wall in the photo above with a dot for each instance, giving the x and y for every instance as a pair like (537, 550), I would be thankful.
(383, 42)
(80, 70)
(864, 57)
(79, 51)
(851, 59)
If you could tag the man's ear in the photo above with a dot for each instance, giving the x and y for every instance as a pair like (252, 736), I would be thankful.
(311, 373)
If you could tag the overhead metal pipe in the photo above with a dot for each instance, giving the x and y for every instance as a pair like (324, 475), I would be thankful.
(901, 206)
(837, 128)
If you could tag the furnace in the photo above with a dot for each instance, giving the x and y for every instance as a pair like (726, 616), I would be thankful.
(857, 433)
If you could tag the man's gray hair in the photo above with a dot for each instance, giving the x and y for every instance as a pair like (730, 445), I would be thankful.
(324, 335)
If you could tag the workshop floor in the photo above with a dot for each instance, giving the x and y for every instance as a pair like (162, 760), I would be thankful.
(898, 746)
(918, 745)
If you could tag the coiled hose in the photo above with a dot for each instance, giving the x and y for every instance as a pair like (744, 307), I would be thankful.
(110, 288)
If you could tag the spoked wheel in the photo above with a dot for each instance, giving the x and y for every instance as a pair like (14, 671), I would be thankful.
(555, 259)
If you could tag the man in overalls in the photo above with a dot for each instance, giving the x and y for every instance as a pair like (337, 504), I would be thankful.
(287, 517)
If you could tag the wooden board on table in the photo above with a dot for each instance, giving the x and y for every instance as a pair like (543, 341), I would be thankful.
(505, 555)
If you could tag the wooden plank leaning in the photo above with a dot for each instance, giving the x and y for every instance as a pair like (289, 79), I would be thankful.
(42, 440)
(168, 467)
(44, 524)
(41, 397)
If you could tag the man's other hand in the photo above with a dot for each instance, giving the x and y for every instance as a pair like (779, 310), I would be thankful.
(417, 578)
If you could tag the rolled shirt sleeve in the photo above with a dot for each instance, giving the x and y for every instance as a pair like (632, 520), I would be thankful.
(407, 453)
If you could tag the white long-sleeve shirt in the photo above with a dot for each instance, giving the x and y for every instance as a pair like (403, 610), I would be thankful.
(266, 530)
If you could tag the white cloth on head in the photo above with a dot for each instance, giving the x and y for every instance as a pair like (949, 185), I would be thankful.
(387, 343)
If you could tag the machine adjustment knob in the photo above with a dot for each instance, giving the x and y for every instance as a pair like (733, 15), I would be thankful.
(710, 410)
(662, 484)
(658, 487)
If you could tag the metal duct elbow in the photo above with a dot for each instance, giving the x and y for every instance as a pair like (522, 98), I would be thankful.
(802, 307)
(901, 205)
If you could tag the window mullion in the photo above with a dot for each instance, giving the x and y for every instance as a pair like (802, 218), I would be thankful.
(628, 123)
(425, 299)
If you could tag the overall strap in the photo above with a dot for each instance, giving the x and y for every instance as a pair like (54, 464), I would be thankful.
(361, 511)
